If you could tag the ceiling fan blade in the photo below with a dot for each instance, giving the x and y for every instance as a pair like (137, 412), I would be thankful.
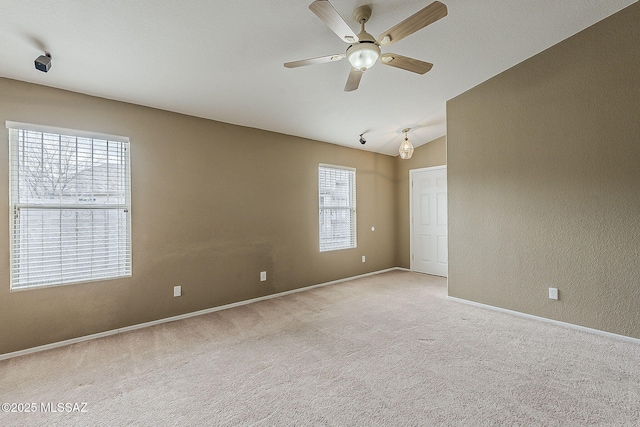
(405, 63)
(354, 80)
(330, 16)
(415, 22)
(313, 61)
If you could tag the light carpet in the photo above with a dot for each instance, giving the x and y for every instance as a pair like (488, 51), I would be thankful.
(386, 350)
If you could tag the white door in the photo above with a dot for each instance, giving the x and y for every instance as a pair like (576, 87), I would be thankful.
(429, 252)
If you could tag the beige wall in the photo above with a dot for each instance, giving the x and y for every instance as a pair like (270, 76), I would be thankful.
(431, 154)
(213, 204)
(543, 191)
(544, 182)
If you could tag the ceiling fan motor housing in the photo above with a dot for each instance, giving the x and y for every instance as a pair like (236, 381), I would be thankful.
(364, 54)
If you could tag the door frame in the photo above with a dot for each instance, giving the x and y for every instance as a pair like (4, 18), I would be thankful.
(412, 172)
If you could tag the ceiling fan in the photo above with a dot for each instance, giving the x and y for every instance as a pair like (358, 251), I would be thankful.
(364, 50)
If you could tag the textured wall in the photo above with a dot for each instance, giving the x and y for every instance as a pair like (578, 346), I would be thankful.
(544, 182)
(431, 154)
(213, 204)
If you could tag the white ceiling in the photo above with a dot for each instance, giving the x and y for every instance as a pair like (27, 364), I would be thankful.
(223, 59)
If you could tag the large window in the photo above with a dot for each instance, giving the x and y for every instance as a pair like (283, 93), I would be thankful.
(70, 206)
(337, 191)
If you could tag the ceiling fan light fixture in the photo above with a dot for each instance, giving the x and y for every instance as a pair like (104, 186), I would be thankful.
(363, 56)
(364, 49)
(406, 149)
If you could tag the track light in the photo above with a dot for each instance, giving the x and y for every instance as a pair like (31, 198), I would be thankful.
(362, 140)
(43, 62)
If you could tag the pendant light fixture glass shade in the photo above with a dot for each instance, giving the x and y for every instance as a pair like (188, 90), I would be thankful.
(406, 149)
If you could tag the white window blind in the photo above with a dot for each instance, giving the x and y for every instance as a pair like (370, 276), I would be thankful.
(70, 206)
(337, 191)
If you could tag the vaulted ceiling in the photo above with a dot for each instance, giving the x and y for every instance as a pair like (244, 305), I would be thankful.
(223, 59)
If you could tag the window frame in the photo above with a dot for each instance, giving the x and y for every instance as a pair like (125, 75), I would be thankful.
(123, 168)
(352, 209)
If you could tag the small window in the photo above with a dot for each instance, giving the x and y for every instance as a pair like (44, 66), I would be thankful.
(70, 206)
(337, 194)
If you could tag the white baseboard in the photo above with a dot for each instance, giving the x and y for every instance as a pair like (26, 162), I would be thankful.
(544, 319)
(179, 317)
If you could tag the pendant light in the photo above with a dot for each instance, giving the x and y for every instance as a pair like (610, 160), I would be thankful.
(406, 149)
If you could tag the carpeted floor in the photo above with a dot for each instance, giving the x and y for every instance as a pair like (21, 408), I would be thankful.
(387, 350)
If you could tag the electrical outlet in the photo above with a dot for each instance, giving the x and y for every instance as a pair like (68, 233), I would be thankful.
(177, 291)
(363, 258)
(553, 293)
(263, 276)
